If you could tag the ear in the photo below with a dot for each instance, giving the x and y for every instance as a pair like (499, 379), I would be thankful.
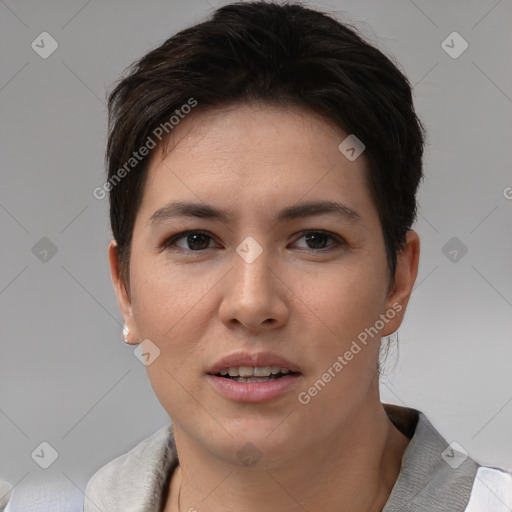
(123, 297)
(405, 277)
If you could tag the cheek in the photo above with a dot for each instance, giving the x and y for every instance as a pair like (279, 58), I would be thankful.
(343, 300)
(343, 368)
(173, 307)
(169, 309)
(167, 299)
(342, 305)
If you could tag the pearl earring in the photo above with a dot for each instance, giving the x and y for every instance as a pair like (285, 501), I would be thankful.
(126, 331)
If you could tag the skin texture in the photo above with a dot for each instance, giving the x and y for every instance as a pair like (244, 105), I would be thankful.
(295, 300)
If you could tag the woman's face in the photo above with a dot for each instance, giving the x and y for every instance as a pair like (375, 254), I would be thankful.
(303, 288)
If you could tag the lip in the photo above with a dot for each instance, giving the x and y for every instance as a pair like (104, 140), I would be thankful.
(255, 392)
(256, 359)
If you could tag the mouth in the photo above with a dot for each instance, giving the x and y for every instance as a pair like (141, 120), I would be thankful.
(254, 388)
(257, 377)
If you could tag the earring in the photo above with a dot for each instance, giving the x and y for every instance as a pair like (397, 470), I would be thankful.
(126, 331)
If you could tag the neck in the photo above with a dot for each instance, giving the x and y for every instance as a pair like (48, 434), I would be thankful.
(356, 467)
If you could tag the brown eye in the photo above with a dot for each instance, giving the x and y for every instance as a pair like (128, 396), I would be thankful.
(318, 240)
(194, 240)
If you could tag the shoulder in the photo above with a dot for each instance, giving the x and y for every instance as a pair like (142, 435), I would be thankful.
(133, 479)
(492, 490)
(436, 476)
(485, 487)
(41, 496)
(131, 482)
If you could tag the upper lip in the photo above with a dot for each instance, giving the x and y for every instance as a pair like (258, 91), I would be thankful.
(247, 359)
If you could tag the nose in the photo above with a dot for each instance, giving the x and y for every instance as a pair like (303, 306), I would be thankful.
(254, 294)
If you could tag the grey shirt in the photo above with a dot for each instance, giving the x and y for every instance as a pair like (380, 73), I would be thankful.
(434, 476)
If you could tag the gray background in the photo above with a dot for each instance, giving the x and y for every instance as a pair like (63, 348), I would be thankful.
(65, 375)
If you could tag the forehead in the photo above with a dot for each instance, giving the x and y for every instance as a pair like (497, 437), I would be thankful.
(254, 157)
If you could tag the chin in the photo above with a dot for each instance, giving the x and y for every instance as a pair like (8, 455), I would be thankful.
(268, 440)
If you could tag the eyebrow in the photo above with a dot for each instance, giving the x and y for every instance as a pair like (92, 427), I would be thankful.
(204, 211)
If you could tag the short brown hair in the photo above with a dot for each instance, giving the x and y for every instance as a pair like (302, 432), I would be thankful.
(284, 54)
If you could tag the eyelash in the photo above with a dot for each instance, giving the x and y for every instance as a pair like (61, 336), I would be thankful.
(338, 241)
